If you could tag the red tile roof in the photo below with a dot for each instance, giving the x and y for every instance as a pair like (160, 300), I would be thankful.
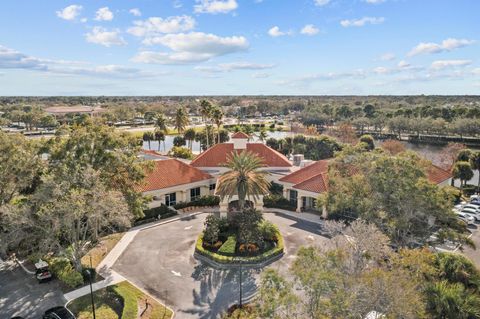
(240, 135)
(306, 172)
(315, 184)
(217, 155)
(314, 178)
(171, 172)
(437, 175)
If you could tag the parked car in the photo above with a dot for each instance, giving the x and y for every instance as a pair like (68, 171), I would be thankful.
(472, 207)
(467, 218)
(42, 273)
(59, 312)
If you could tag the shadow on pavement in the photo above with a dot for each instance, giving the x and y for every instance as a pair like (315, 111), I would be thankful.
(220, 289)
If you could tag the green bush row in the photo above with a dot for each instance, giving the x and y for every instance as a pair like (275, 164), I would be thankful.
(204, 201)
(155, 213)
(278, 201)
(228, 247)
(277, 250)
(63, 270)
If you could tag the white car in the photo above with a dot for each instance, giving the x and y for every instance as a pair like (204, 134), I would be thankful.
(473, 207)
(472, 212)
(467, 218)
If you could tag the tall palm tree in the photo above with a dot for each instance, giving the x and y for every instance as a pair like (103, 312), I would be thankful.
(161, 123)
(217, 116)
(189, 136)
(244, 178)
(160, 137)
(262, 136)
(206, 111)
(181, 120)
(148, 137)
(475, 162)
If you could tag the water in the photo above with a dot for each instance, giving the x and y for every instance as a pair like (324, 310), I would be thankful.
(164, 148)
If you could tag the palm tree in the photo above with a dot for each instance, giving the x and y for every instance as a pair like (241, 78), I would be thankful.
(160, 137)
(206, 110)
(189, 135)
(161, 123)
(181, 120)
(475, 162)
(244, 178)
(217, 116)
(148, 137)
(450, 300)
(463, 171)
(263, 135)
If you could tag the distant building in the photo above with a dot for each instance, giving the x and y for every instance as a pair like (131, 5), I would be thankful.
(60, 111)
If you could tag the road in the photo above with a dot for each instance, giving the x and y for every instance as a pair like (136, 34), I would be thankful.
(22, 295)
(160, 260)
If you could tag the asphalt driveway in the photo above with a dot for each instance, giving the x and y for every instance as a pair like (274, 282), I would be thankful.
(160, 260)
(22, 295)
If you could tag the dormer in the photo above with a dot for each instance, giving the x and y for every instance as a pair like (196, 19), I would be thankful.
(240, 140)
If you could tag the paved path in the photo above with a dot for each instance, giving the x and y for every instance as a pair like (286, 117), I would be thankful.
(22, 295)
(160, 261)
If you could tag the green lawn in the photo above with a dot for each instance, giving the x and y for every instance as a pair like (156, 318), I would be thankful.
(122, 300)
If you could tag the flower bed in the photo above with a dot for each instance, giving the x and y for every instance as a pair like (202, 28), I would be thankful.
(240, 259)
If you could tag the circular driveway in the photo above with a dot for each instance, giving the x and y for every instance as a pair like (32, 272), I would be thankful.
(160, 260)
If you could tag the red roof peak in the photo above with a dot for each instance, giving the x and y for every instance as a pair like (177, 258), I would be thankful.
(240, 135)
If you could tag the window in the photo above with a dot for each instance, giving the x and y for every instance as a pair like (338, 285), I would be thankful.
(195, 193)
(213, 186)
(293, 197)
(171, 199)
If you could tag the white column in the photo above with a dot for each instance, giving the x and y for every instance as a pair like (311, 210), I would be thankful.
(299, 203)
(285, 193)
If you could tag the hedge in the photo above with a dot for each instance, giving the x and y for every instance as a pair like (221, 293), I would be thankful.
(277, 250)
(228, 247)
(155, 213)
(278, 201)
(204, 201)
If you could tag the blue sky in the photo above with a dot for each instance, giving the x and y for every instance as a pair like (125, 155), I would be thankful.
(232, 47)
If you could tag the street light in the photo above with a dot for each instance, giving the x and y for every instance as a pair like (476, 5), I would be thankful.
(91, 291)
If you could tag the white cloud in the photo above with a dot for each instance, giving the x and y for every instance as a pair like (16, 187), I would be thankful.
(155, 26)
(102, 36)
(215, 6)
(104, 14)
(476, 71)
(260, 75)
(403, 64)
(446, 45)
(12, 59)
(228, 67)
(70, 13)
(307, 79)
(321, 3)
(276, 32)
(362, 22)
(381, 70)
(177, 4)
(387, 57)
(309, 29)
(374, 1)
(191, 47)
(136, 12)
(443, 64)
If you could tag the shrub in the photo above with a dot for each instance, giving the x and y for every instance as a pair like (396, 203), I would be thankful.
(247, 223)
(63, 270)
(181, 152)
(212, 229)
(152, 214)
(204, 201)
(268, 230)
(228, 247)
(278, 201)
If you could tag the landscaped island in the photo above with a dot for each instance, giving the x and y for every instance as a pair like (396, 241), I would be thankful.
(244, 238)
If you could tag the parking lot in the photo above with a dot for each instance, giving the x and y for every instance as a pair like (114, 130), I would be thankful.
(160, 260)
(22, 295)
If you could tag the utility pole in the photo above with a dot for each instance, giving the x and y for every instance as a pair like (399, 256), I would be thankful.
(240, 303)
(91, 290)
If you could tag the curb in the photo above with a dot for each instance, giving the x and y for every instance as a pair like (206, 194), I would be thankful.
(219, 266)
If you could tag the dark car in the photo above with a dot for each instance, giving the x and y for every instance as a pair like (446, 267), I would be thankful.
(58, 313)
